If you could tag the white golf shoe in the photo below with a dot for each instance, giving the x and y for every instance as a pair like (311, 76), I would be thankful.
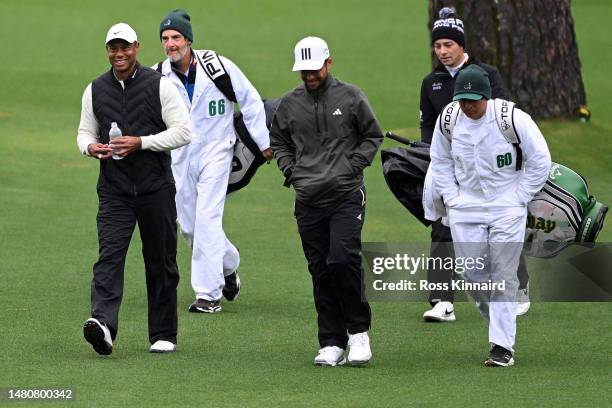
(163, 346)
(441, 312)
(330, 356)
(522, 301)
(359, 352)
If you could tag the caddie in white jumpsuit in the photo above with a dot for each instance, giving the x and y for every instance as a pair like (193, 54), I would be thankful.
(202, 168)
(486, 198)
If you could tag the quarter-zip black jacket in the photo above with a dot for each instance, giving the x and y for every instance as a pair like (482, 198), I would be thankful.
(437, 92)
(137, 111)
(324, 139)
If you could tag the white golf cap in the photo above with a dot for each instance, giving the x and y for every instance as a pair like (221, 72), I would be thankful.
(121, 31)
(310, 54)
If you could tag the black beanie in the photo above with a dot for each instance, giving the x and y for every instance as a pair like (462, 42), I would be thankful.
(448, 26)
(177, 20)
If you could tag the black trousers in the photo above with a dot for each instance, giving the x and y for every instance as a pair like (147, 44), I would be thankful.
(331, 239)
(155, 214)
(441, 247)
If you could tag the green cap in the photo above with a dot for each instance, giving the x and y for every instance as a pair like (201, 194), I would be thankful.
(177, 20)
(472, 83)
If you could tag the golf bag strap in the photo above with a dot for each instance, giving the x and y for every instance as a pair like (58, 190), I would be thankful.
(504, 116)
(448, 119)
(216, 72)
(213, 67)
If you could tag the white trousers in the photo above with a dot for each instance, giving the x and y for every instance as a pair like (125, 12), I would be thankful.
(496, 235)
(201, 173)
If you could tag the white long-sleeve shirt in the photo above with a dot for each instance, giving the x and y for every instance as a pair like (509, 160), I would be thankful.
(211, 124)
(478, 169)
(174, 115)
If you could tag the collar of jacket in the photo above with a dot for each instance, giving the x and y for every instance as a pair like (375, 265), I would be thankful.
(440, 68)
(329, 81)
(130, 78)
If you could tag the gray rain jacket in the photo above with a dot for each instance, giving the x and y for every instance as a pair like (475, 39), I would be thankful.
(323, 140)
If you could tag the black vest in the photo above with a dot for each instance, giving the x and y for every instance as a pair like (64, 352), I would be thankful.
(137, 111)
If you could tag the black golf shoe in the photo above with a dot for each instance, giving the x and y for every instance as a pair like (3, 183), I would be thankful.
(499, 357)
(231, 290)
(205, 306)
(98, 335)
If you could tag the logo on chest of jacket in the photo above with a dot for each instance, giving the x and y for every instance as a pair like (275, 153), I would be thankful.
(436, 86)
(337, 112)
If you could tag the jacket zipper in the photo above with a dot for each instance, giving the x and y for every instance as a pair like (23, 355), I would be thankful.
(325, 116)
(316, 106)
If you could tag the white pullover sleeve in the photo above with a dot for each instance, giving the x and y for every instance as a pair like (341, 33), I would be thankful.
(175, 116)
(88, 132)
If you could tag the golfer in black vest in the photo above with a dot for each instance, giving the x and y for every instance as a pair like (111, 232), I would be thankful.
(135, 186)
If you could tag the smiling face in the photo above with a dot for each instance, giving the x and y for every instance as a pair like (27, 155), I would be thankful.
(314, 79)
(122, 56)
(448, 52)
(176, 46)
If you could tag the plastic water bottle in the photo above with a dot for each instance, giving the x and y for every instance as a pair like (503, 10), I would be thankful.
(113, 133)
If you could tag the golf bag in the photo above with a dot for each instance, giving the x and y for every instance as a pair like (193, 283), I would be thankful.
(561, 213)
(404, 170)
(247, 156)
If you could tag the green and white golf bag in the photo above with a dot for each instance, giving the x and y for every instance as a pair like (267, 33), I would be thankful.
(561, 213)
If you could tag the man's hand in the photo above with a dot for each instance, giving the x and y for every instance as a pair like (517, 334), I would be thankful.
(100, 151)
(124, 145)
(268, 154)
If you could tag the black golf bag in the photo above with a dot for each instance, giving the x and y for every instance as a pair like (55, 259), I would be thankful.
(404, 170)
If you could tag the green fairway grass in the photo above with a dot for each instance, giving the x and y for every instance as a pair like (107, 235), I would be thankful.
(259, 351)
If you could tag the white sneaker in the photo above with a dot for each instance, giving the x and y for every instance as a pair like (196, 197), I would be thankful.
(163, 346)
(441, 312)
(523, 302)
(359, 353)
(330, 356)
(98, 335)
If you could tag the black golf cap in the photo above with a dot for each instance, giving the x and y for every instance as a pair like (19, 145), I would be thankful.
(472, 83)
